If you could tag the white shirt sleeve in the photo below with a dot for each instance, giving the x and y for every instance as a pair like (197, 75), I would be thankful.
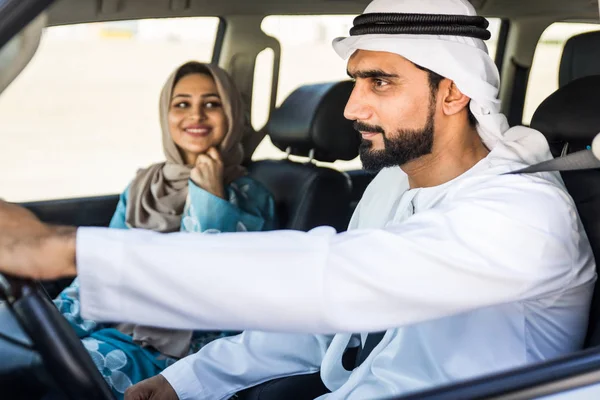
(494, 245)
(228, 365)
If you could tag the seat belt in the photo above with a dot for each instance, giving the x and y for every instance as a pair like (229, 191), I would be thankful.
(584, 159)
(580, 160)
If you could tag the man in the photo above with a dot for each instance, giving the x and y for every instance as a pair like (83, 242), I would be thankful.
(468, 269)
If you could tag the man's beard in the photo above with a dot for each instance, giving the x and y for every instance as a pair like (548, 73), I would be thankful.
(403, 146)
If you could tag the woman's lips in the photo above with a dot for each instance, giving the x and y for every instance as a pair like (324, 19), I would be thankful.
(198, 131)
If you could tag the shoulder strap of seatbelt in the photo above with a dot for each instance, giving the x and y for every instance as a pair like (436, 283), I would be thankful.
(584, 159)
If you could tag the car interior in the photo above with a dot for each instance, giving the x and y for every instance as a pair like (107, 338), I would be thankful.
(311, 135)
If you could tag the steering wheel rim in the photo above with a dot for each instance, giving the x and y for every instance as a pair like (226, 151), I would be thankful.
(64, 356)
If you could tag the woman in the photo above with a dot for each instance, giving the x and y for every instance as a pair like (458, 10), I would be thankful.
(201, 187)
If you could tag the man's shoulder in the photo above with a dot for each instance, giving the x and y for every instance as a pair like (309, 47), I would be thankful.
(521, 147)
(536, 200)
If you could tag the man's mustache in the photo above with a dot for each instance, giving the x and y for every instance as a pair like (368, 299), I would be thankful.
(362, 127)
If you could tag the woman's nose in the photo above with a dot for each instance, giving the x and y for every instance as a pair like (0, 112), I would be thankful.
(197, 114)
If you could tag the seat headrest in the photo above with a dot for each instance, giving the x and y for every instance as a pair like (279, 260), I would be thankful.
(571, 113)
(581, 57)
(312, 118)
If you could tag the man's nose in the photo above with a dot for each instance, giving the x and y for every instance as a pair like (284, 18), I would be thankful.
(356, 108)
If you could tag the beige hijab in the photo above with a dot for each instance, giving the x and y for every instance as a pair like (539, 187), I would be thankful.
(158, 193)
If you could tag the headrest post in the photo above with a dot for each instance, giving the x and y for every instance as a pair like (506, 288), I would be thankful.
(311, 156)
(565, 149)
(288, 152)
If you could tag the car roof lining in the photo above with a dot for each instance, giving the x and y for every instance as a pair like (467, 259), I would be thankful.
(77, 11)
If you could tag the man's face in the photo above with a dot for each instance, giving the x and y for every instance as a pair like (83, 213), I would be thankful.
(393, 108)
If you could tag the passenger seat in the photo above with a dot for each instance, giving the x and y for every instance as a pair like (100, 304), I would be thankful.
(570, 120)
(581, 57)
(310, 123)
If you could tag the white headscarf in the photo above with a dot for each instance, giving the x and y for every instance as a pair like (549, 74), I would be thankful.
(464, 60)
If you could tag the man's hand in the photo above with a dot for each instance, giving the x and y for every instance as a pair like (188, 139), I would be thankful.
(155, 388)
(32, 249)
(208, 172)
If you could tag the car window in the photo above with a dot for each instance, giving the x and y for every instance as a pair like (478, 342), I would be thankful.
(579, 393)
(543, 77)
(309, 58)
(83, 115)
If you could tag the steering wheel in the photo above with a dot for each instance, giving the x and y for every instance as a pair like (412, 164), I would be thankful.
(62, 352)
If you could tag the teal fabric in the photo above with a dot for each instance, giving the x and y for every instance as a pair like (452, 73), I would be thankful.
(249, 207)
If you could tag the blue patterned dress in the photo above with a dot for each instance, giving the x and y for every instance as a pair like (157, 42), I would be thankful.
(121, 361)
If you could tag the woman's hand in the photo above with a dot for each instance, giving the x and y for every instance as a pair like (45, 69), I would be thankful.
(208, 172)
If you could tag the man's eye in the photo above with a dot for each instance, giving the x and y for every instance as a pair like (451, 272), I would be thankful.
(380, 83)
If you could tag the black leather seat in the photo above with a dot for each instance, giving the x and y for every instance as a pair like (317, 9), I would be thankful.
(310, 123)
(570, 120)
(581, 57)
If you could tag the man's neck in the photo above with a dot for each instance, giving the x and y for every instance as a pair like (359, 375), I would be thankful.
(448, 160)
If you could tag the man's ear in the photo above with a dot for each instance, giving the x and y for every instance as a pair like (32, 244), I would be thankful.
(453, 101)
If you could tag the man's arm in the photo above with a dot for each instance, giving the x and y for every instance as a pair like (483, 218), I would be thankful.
(229, 365)
(31, 249)
(497, 245)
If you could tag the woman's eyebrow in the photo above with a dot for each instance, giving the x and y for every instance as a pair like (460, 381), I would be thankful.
(189, 95)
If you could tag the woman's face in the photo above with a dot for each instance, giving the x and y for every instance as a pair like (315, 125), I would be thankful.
(197, 119)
